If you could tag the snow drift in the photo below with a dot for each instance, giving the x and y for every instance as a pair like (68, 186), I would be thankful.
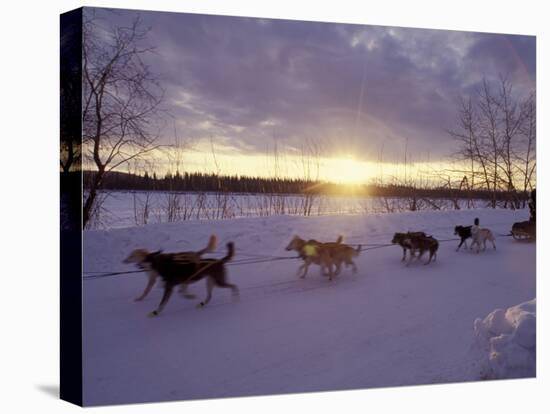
(509, 337)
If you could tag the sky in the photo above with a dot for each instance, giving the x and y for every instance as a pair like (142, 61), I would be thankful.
(240, 90)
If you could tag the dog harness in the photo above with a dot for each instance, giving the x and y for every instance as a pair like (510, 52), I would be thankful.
(309, 250)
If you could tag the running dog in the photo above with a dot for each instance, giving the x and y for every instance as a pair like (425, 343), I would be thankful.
(342, 253)
(421, 244)
(174, 272)
(399, 238)
(313, 252)
(464, 232)
(481, 236)
(192, 257)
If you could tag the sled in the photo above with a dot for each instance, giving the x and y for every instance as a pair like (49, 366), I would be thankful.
(524, 231)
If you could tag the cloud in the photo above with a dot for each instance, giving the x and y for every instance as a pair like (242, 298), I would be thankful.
(352, 88)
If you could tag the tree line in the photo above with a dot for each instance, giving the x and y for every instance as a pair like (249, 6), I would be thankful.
(214, 183)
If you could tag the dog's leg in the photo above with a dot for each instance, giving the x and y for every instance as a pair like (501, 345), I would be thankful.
(404, 254)
(224, 284)
(167, 293)
(209, 287)
(150, 283)
(353, 265)
(305, 266)
(330, 272)
(301, 270)
(411, 257)
(429, 259)
(494, 245)
(461, 242)
(183, 291)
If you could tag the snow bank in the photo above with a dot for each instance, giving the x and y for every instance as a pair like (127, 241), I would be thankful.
(509, 336)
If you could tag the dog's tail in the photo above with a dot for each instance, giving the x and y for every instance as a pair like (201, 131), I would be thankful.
(358, 250)
(339, 239)
(210, 247)
(230, 252)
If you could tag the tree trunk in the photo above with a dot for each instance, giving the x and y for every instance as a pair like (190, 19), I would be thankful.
(87, 210)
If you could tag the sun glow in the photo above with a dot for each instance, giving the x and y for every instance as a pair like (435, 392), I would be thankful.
(346, 170)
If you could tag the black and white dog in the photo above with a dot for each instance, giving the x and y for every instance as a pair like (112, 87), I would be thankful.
(464, 232)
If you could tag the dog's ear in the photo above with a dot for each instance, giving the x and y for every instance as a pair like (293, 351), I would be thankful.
(155, 253)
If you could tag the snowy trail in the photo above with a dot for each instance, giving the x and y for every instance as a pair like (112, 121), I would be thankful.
(386, 325)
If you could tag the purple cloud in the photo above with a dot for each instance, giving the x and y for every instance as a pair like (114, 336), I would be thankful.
(352, 87)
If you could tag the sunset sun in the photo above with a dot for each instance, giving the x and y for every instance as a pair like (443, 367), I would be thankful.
(347, 170)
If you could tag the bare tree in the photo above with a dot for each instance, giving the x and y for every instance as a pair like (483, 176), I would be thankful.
(121, 100)
(310, 157)
(526, 155)
(496, 138)
(491, 135)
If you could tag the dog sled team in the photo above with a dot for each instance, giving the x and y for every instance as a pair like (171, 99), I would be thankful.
(179, 270)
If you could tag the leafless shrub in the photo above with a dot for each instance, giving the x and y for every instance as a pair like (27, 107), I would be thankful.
(496, 136)
(120, 102)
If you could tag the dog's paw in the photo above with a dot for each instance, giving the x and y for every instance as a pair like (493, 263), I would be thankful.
(200, 305)
(189, 296)
(153, 314)
(138, 299)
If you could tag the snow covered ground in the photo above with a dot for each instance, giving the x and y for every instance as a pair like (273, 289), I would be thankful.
(387, 325)
(510, 339)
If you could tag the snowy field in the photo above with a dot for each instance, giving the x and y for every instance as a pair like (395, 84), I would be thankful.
(387, 325)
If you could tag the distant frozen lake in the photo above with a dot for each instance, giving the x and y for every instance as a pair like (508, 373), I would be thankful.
(121, 209)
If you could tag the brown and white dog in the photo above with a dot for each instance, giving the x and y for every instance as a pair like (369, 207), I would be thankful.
(137, 256)
(311, 252)
(176, 272)
(325, 255)
(342, 253)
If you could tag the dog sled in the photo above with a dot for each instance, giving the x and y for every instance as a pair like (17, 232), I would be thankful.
(524, 230)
